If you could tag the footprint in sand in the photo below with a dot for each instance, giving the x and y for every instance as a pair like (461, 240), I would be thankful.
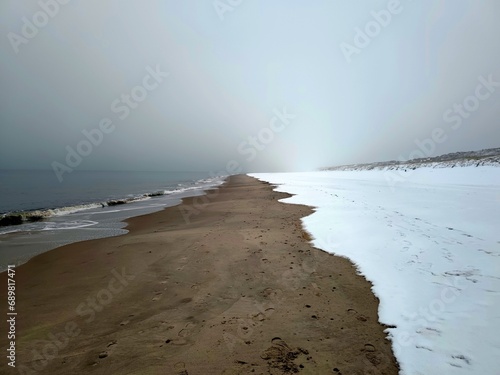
(157, 296)
(183, 262)
(281, 356)
(105, 353)
(185, 332)
(111, 343)
(358, 316)
(178, 341)
(369, 348)
(180, 368)
(259, 317)
(269, 310)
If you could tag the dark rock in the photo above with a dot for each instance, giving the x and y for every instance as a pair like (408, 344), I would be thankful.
(11, 220)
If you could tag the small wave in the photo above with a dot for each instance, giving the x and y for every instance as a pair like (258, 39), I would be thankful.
(117, 202)
(69, 225)
(24, 217)
(158, 193)
(8, 231)
(72, 209)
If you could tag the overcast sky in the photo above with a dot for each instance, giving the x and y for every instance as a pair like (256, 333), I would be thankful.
(341, 96)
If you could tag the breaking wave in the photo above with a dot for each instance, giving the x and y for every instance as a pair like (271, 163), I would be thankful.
(31, 216)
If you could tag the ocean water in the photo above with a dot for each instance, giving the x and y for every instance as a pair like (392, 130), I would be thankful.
(86, 205)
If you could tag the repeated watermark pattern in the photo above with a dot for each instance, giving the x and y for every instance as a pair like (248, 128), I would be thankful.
(49, 348)
(122, 107)
(455, 115)
(363, 36)
(31, 27)
(222, 7)
(248, 148)
(247, 326)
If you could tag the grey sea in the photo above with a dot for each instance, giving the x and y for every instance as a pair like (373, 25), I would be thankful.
(38, 213)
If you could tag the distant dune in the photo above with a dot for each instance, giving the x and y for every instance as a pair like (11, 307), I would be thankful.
(457, 159)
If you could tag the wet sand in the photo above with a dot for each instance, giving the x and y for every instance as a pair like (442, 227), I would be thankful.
(222, 284)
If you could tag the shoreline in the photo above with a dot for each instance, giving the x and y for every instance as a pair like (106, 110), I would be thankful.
(22, 243)
(236, 289)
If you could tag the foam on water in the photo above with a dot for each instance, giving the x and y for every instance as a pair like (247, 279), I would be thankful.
(55, 227)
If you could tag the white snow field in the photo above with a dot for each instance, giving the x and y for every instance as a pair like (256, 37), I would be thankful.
(430, 244)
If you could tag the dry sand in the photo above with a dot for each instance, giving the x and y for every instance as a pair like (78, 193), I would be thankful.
(236, 290)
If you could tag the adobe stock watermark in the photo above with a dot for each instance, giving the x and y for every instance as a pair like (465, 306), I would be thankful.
(255, 318)
(49, 348)
(455, 115)
(250, 147)
(122, 107)
(221, 7)
(31, 27)
(461, 111)
(291, 279)
(256, 143)
(426, 321)
(364, 36)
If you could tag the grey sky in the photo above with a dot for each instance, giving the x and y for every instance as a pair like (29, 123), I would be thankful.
(231, 68)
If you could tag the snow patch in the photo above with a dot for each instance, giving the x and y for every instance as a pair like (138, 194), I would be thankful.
(431, 248)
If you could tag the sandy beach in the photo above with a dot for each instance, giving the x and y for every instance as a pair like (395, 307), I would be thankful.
(222, 284)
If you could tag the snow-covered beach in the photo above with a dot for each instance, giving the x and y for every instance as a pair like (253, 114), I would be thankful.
(431, 247)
